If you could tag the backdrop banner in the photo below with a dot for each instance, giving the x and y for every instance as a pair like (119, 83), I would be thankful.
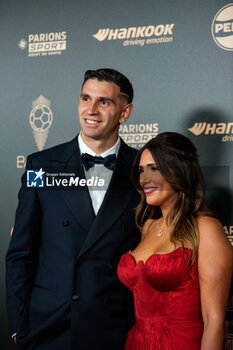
(178, 56)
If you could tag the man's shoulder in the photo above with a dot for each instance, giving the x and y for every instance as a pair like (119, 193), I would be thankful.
(127, 147)
(56, 152)
(128, 152)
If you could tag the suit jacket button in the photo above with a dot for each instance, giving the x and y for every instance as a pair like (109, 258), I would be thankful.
(75, 297)
(65, 223)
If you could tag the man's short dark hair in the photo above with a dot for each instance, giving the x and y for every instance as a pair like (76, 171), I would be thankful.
(113, 76)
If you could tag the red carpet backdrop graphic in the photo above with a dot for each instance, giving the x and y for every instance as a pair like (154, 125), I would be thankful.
(178, 56)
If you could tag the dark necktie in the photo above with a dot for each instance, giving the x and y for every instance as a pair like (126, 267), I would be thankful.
(89, 161)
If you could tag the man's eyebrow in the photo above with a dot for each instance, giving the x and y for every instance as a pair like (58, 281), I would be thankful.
(101, 98)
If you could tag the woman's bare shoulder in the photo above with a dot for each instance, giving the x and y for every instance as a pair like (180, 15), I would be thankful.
(212, 237)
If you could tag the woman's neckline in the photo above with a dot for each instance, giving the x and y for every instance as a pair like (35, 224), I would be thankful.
(155, 254)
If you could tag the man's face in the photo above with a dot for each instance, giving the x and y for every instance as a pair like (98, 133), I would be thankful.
(101, 110)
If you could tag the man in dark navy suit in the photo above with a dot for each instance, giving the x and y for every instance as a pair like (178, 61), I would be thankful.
(62, 287)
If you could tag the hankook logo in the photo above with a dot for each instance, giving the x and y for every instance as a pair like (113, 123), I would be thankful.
(143, 35)
(222, 28)
(213, 129)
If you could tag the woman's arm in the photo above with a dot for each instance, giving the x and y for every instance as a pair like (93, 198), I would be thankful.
(215, 264)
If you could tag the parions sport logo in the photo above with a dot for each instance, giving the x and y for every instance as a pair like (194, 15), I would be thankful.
(229, 232)
(140, 36)
(44, 44)
(222, 28)
(203, 128)
(136, 135)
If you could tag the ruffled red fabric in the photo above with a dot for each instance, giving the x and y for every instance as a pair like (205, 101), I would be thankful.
(167, 301)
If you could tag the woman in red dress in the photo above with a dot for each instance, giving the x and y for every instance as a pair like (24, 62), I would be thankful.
(180, 273)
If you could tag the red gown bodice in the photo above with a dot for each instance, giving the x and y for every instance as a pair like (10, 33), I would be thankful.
(167, 301)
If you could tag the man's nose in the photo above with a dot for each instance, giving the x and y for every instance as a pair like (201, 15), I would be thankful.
(92, 107)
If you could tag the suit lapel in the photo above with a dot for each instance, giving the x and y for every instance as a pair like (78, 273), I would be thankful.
(115, 202)
(77, 198)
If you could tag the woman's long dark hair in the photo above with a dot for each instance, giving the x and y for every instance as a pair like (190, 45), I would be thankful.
(177, 159)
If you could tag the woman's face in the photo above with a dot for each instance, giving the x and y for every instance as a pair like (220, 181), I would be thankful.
(157, 190)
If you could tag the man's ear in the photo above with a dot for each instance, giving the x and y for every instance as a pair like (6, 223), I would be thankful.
(127, 110)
